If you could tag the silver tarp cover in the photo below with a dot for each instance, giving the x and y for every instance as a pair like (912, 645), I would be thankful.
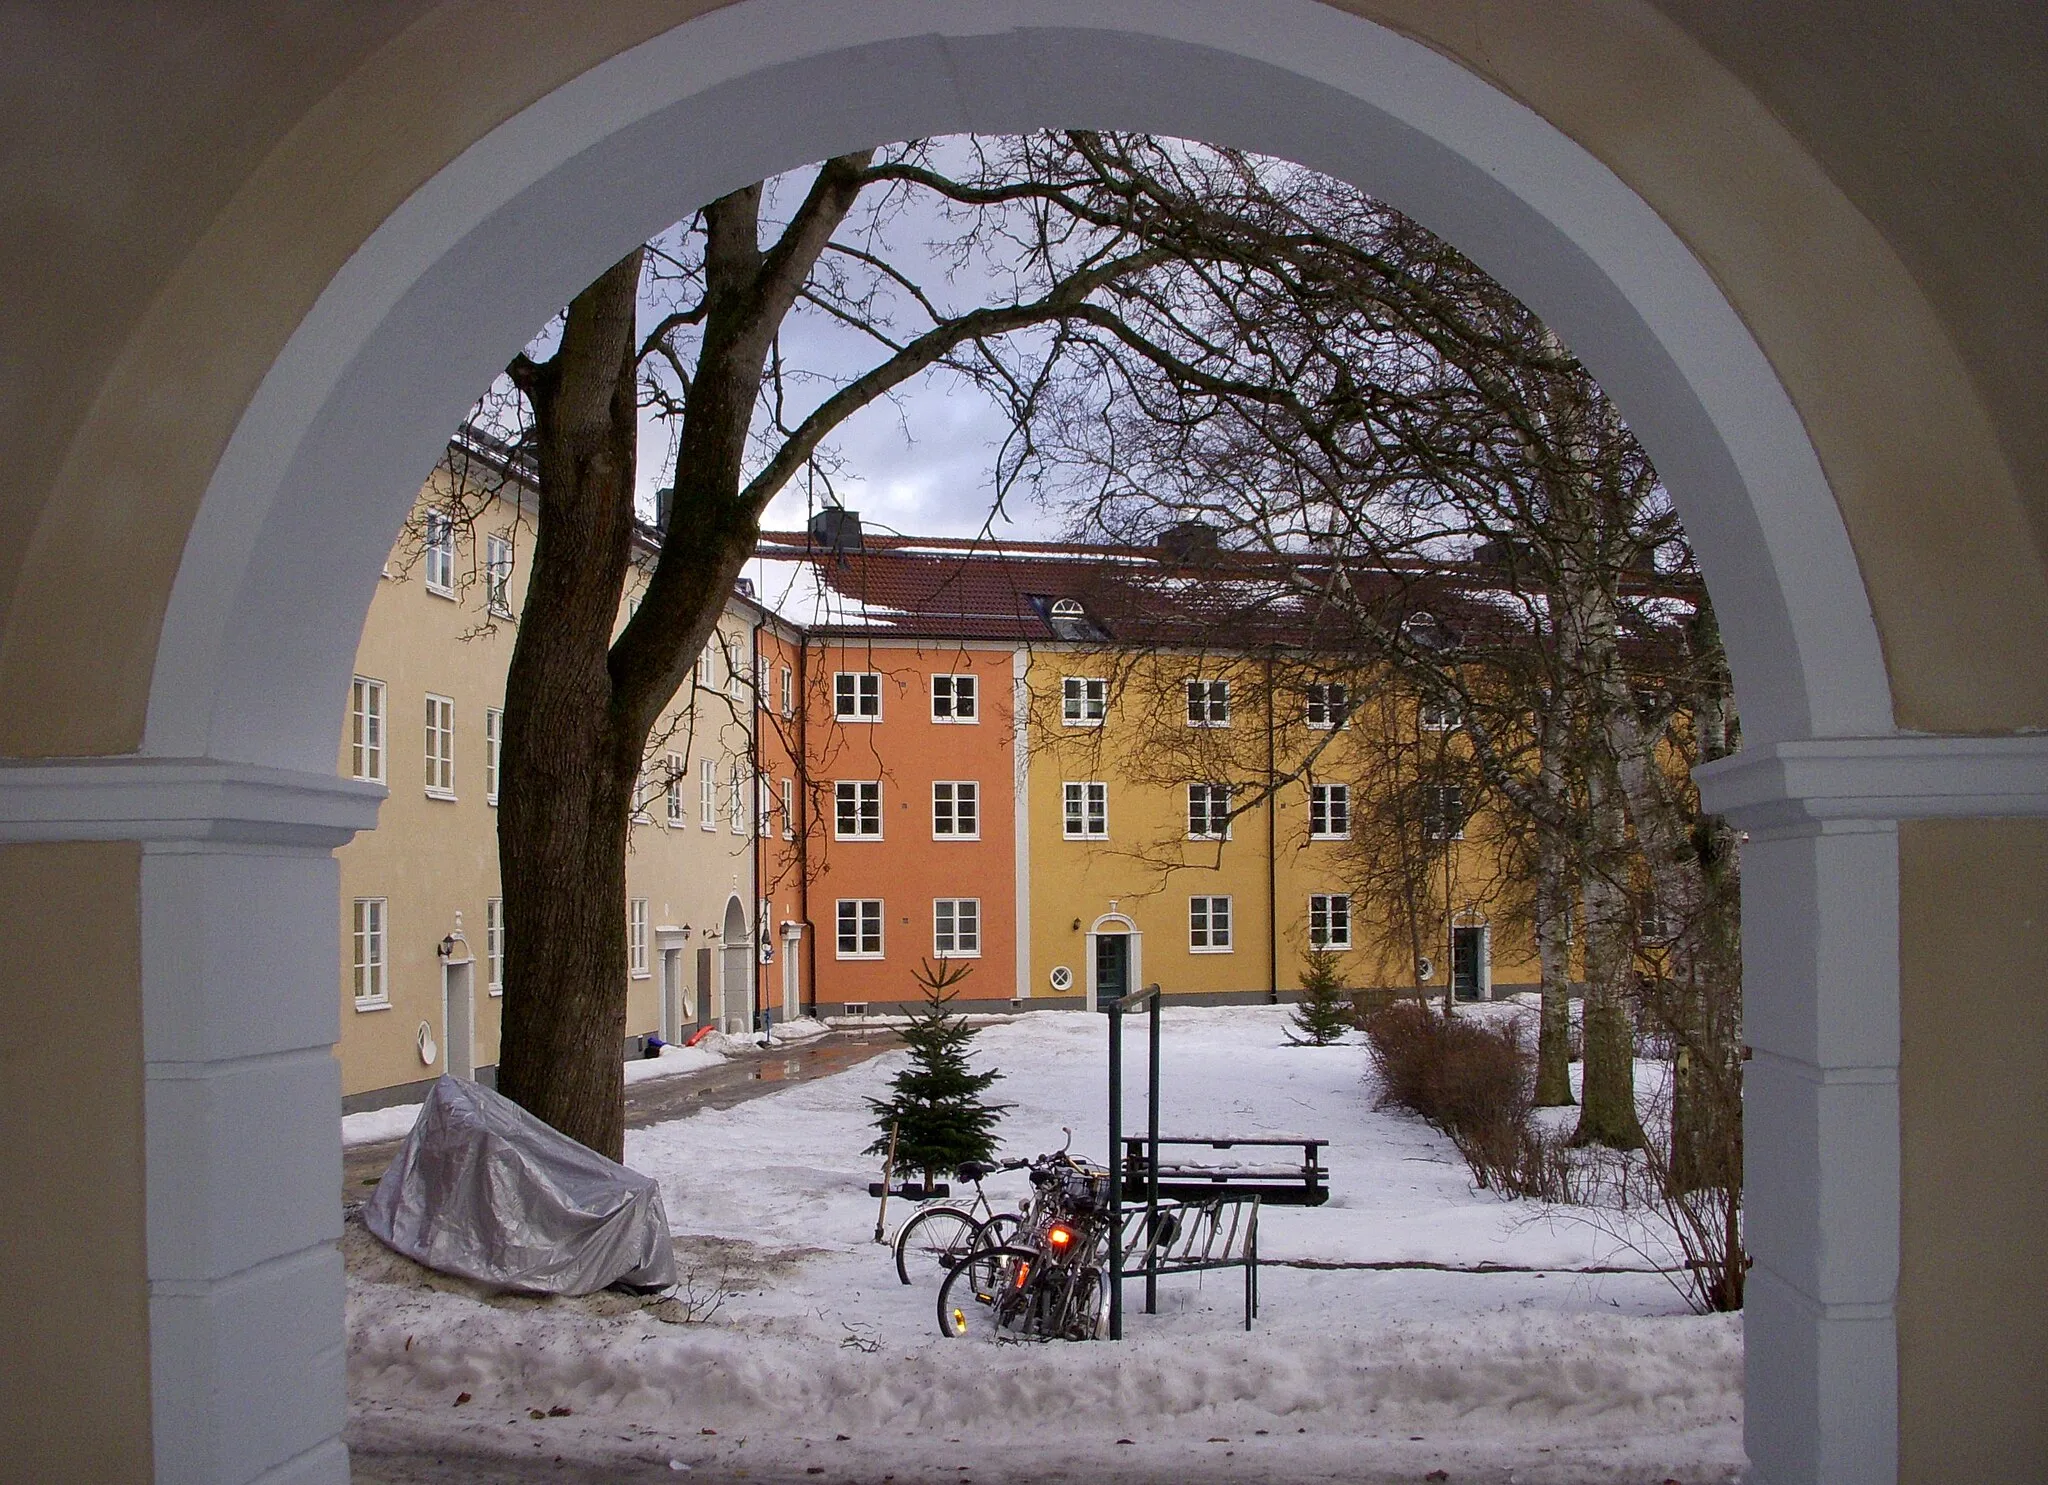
(483, 1189)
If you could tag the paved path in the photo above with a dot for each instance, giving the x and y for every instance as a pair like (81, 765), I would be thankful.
(739, 1078)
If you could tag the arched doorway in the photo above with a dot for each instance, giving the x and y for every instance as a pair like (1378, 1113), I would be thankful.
(1116, 963)
(232, 801)
(735, 971)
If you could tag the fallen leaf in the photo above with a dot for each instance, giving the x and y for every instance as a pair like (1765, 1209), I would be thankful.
(558, 1411)
(841, 1437)
(1127, 1441)
(461, 1398)
(535, 1413)
(707, 1430)
(816, 1469)
(1437, 1475)
(1219, 1441)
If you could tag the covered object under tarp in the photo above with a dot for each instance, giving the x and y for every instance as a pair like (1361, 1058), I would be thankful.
(483, 1189)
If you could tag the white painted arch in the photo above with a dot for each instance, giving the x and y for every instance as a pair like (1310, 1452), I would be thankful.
(281, 564)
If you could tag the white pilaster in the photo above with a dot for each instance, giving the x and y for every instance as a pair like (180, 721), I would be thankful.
(1820, 939)
(239, 937)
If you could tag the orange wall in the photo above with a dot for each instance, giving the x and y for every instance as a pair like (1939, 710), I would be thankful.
(906, 751)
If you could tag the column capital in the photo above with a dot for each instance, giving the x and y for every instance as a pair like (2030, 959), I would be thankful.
(1813, 782)
(180, 799)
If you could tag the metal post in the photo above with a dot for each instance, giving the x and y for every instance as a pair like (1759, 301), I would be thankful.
(1152, 1157)
(1116, 1168)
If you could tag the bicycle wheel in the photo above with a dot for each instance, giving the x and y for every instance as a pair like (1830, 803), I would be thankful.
(934, 1242)
(1088, 1316)
(996, 1232)
(1000, 1309)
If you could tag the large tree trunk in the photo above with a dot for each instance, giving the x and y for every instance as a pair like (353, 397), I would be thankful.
(1607, 1107)
(568, 768)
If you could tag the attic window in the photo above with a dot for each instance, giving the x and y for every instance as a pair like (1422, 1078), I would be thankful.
(1068, 619)
(1068, 608)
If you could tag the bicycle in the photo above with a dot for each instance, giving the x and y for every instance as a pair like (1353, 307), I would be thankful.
(1048, 1282)
(944, 1235)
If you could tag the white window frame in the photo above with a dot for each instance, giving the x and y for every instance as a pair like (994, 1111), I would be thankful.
(1208, 702)
(1329, 920)
(494, 745)
(1084, 700)
(1440, 802)
(672, 788)
(954, 691)
(1209, 811)
(947, 809)
(707, 666)
(440, 746)
(1085, 800)
(861, 799)
(370, 932)
(1209, 926)
(735, 673)
(439, 555)
(736, 798)
(367, 712)
(494, 945)
(761, 681)
(636, 938)
(764, 806)
(1328, 705)
(1329, 812)
(866, 916)
(1436, 716)
(498, 574)
(857, 695)
(788, 681)
(956, 927)
(707, 793)
(789, 809)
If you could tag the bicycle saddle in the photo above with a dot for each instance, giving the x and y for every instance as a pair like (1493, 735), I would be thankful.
(974, 1170)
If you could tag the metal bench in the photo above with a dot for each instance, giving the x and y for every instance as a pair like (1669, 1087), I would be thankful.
(1277, 1183)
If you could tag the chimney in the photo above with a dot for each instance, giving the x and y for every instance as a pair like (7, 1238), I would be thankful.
(836, 529)
(1188, 542)
(664, 502)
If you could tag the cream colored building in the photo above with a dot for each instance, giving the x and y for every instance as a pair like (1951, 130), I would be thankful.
(421, 918)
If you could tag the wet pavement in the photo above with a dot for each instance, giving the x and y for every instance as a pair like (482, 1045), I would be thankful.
(743, 1076)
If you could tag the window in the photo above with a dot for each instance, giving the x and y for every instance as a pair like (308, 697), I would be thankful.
(1656, 927)
(761, 680)
(1329, 812)
(764, 806)
(372, 982)
(953, 699)
(707, 793)
(860, 928)
(1208, 703)
(707, 673)
(1443, 812)
(440, 747)
(498, 575)
(956, 811)
(440, 554)
(1208, 812)
(1083, 700)
(789, 809)
(494, 945)
(1329, 704)
(636, 938)
(788, 691)
(857, 696)
(366, 729)
(857, 811)
(1087, 811)
(1437, 716)
(736, 798)
(494, 740)
(678, 770)
(735, 675)
(1209, 925)
(1329, 920)
(956, 927)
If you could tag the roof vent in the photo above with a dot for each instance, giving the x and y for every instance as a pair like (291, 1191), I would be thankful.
(836, 529)
(1189, 541)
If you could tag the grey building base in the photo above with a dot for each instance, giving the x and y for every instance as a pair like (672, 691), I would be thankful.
(401, 1093)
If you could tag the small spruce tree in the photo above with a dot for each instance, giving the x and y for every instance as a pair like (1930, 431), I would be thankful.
(935, 1106)
(1324, 1014)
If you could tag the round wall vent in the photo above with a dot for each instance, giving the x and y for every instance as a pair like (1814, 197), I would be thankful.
(1062, 978)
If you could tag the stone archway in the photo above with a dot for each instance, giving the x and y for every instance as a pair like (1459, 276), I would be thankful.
(233, 805)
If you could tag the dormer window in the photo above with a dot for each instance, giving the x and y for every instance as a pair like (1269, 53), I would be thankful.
(1068, 618)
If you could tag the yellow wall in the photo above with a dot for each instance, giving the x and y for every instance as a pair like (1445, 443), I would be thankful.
(433, 859)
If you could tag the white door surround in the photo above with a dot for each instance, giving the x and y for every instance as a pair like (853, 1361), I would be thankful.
(235, 801)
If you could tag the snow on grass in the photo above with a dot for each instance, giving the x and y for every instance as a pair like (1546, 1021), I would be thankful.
(1558, 1374)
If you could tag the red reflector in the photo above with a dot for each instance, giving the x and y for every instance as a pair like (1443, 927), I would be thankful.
(1061, 1236)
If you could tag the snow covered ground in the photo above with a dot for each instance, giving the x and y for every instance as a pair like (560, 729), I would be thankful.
(1517, 1354)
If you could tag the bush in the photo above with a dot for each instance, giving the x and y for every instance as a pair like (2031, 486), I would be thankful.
(1476, 1083)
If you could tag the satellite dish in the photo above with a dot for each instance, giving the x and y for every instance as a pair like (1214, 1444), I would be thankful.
(430, 1051)
(1424, 970)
